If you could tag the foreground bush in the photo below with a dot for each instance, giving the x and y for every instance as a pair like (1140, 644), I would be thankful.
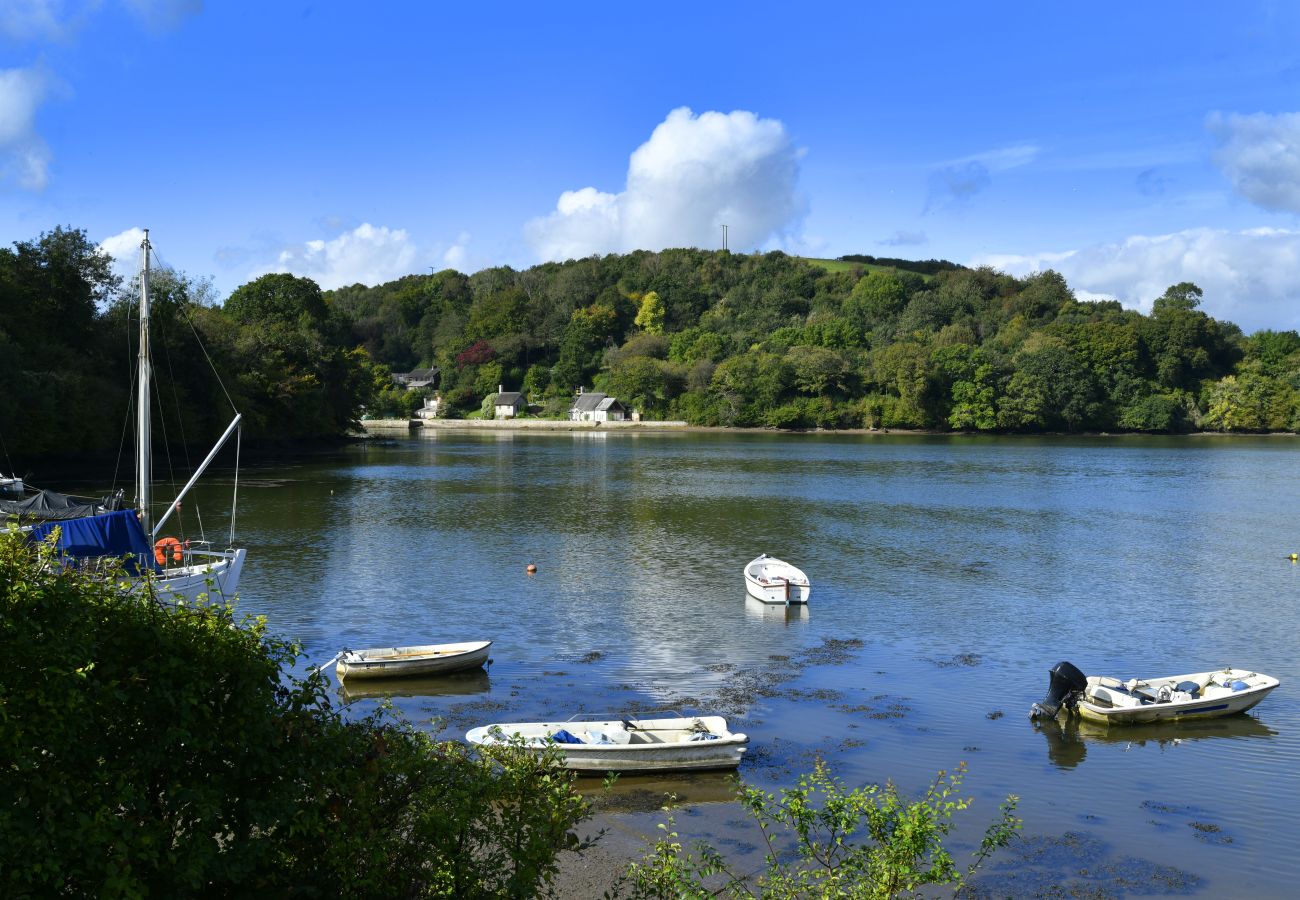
(150, 750)
(824, 841)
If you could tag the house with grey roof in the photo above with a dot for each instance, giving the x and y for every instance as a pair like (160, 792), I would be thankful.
(596, 407)
(507, 404)
(417, 378)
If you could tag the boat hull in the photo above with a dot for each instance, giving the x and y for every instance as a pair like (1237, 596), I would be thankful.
(402, 662)
(654, 745)
(215, 580)
(1106, 702)
(770, 580)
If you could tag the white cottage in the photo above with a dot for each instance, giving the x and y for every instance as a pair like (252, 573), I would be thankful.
(507, 404)
(596, 407)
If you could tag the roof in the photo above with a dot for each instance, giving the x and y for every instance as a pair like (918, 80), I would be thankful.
(608, 403)
(509, 398)
(588, 402)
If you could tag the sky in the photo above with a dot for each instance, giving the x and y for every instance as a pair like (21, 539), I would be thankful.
(1129, 146)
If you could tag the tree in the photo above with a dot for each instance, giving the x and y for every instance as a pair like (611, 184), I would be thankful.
(650, 316)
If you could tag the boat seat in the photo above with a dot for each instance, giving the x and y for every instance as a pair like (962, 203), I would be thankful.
(1112, 697)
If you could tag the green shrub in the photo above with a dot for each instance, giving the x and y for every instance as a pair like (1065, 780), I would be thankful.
(824, 841)
(159, 750)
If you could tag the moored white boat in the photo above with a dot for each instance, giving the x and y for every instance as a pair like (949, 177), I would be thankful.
(682, 743)
(772, 580)
(429, 659)
(1197, 695)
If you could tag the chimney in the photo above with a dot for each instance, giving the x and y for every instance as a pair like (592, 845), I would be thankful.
(501, 388)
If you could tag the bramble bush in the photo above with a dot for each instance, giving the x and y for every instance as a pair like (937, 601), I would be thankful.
(158, 750)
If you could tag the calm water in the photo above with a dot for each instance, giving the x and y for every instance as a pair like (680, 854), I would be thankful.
(966, 567)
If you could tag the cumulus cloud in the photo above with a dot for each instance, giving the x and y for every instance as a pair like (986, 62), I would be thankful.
(1260, 154)
(366, 254)
(1249, 277)
(694, 175)
(124, 248)
(24, 155)
(956, 181)
(456, 256)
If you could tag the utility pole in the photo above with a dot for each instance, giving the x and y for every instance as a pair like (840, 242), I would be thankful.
(724, 237)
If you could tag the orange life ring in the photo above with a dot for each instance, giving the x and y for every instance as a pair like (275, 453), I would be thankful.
(168, 546)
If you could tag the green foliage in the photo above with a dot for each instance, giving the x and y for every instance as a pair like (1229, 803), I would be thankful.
(157, 750)
(823, 841)
(745, 340)
(650, 316)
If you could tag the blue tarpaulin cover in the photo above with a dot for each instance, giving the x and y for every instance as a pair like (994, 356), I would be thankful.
(564, 737)
(112, 534)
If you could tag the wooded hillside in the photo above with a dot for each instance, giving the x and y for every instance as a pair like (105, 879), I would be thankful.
(711, 337)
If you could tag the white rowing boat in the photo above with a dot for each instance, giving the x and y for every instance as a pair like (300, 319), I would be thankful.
(627, 745)
(1197, 695)
(394, 662)
(772, 580)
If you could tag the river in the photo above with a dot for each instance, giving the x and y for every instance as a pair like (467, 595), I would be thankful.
(949, 574)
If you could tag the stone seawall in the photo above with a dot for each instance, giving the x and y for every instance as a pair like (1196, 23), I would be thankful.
(390, 425)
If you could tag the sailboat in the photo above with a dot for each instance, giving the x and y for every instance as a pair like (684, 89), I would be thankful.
(92, 531)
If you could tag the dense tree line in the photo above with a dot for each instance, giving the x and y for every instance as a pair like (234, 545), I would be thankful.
(710, 337)
(770, 340)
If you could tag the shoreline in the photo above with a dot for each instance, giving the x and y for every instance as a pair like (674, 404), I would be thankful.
(389, 426)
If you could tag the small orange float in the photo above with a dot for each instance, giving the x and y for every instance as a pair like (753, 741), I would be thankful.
(168, 547)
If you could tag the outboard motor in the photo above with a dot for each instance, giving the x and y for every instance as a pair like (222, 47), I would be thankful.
(1066, 682)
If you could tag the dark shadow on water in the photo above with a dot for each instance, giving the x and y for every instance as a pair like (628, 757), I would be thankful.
(455, 685)
(1067, 742)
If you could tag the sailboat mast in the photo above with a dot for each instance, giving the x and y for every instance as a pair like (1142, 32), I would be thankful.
(143, 474)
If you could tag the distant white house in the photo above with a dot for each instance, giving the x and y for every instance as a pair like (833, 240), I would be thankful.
(417, 378)
(596, 407)
(507, 404)
(432, 406)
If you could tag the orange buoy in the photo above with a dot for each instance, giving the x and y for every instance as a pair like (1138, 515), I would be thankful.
(532, 569)
(168, 547)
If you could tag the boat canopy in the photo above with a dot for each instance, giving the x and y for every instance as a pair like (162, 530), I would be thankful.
(111, 534)
(50, 506)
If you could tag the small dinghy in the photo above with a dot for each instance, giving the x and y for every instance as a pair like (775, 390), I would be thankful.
(627, 745)
(772, 580)
(1199, 695)
(394, 662)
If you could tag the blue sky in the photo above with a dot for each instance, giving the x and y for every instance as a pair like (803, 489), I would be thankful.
(1128, 145)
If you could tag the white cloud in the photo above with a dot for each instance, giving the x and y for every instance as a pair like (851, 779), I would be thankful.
(365, 254)
(164, 14)
(1249, 277)
(1260, 154)
(694, 175)
(125, 250)
(43, 20)
(24, 155)
(457, 254)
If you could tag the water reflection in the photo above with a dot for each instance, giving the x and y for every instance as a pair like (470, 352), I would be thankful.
(646, 793)
(455, 685)
(789, 613)
(1067, 742)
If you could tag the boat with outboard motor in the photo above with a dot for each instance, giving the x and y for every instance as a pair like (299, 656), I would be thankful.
(91, 532)
(679, 743)
(1198, 695)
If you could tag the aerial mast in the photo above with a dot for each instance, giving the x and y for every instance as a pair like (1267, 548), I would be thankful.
(143, 464)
